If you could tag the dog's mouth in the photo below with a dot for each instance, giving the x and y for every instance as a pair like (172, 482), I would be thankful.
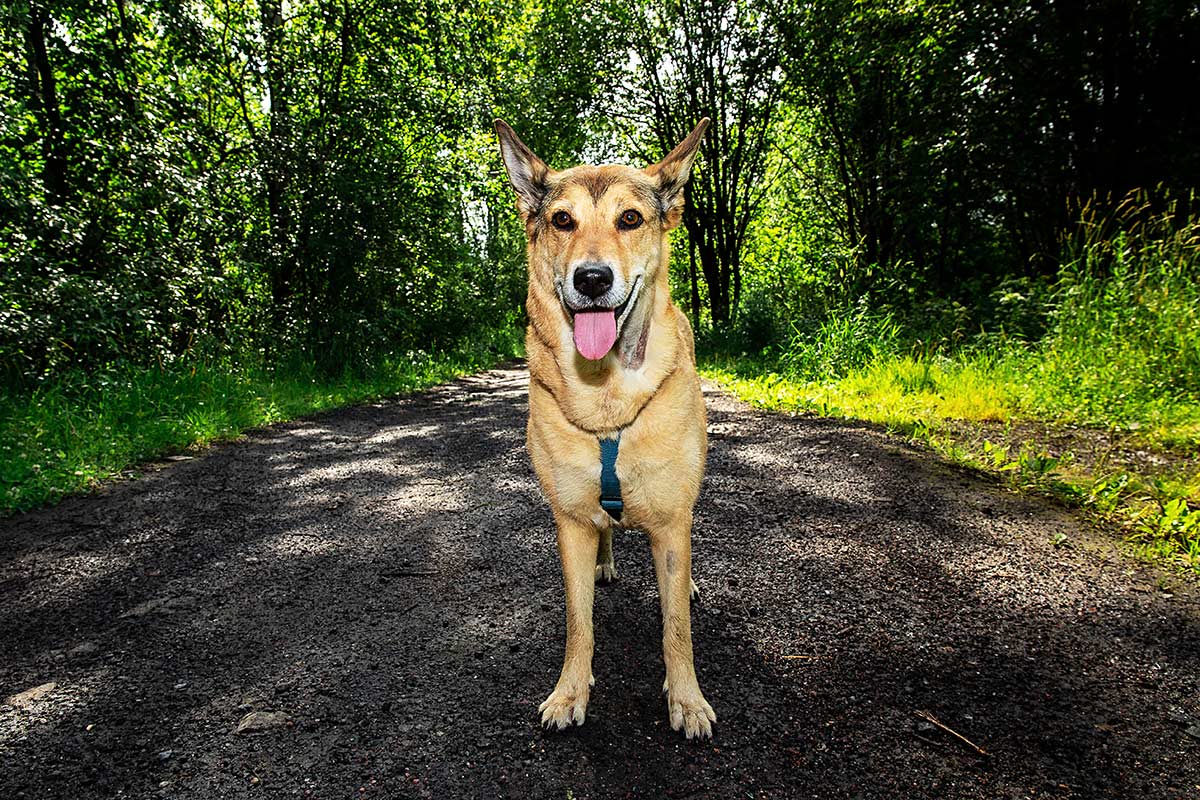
(596, 329)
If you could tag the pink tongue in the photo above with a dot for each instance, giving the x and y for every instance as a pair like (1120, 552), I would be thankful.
(595, 333)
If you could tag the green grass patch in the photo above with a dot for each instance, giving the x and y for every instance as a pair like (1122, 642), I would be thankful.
(67, 436)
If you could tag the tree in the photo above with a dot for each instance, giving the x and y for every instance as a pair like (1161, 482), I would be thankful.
(714, 58)
(958, 132)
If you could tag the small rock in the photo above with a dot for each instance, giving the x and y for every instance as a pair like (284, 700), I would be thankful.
(257, 721)
(83, 649)
(181, 685)
(1193, 731)
(165, 755)
(30, 696)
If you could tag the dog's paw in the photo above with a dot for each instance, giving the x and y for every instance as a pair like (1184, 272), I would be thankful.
(694, 591)
(606, 573)
(564, 708)
(691, 714)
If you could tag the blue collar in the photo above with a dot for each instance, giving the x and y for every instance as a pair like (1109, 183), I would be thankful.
(610, 486)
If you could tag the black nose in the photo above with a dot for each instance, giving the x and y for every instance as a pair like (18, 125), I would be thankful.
(593, 280)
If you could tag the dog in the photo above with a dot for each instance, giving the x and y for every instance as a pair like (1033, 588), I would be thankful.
(617, 429)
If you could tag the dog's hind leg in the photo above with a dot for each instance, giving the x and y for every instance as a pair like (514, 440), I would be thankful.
(577, 546)
(686, 707)
(606, 570)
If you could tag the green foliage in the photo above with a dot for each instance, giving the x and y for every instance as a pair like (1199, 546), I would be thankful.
(1113, 342)
(1176, 527)
(1123, 345)
(842, 343)
(224, 180)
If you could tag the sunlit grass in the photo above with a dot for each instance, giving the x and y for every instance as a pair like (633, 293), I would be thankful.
(83, 429)
(899, 392)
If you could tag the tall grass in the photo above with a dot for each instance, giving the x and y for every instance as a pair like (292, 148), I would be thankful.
(841, 343)
(84, 428)
(1123, 347)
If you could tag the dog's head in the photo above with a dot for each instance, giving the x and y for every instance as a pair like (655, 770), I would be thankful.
(597, 235)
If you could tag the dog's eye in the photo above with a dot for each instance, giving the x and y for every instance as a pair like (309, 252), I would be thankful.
(562, 220)
(630, 220)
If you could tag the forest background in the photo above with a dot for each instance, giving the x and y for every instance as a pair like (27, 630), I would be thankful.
(974, 223)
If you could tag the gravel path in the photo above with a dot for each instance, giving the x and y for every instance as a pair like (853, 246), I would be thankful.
(374, 594)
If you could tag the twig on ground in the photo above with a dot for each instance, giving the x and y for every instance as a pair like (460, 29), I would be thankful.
(812, 658)
(932, 720)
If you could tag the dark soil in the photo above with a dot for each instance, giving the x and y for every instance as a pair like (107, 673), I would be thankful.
(385, 579)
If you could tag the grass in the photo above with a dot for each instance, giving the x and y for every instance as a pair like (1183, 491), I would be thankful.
(80, 430)
(1118, 364)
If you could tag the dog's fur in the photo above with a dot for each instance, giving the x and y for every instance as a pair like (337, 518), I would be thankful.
(646, 388)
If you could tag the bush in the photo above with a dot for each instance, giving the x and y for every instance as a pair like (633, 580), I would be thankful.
(842, 343)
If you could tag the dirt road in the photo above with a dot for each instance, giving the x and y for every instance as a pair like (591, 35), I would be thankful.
(381, 584)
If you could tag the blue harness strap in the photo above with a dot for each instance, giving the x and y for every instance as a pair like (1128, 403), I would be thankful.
(610, 486)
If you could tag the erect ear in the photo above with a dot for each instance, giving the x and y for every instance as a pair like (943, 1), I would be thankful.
(527, 173)
(673, 171)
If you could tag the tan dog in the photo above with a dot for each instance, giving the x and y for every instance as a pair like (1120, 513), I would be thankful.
(610, 357)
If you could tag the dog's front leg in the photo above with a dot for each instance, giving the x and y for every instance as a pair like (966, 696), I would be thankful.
(577, 546)
(686, 706)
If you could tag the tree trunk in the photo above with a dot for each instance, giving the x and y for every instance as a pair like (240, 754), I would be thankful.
(695, 296)
(275, 167)
(717, 281)
(45, 102)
